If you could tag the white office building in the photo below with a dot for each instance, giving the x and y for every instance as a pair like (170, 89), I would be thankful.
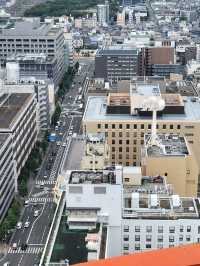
(146, 215)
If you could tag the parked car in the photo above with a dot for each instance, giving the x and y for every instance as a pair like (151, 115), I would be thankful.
(36, 213)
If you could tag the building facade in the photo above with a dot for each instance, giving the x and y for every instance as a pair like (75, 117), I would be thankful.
(116, 63)
(7, 173)
(33, 37)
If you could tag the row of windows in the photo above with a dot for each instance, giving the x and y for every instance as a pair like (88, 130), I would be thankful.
(147, 246)
(161, 229)
(137, 126)
(159, 238)
(127, 142)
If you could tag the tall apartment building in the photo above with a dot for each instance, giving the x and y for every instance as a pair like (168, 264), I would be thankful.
(18, 118)
(33, 37)
(142, 217)
(7, 173)
(103, 14)
(125, 121)
(116, 63)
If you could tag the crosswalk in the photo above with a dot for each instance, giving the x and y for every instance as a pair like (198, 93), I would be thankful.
(29, 250)
(41, 193)
(45, 182)
(41, 200)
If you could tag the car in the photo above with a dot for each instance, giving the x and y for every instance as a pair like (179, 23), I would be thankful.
(36, 213)
(60, 133)
(26, 225)
(14, 246)
(58, 143)
(45, 176)
(26, 202)
(64, 144)
(70, 133)
(41, 185)
(7, 263)
(24, 246)
(19, 225)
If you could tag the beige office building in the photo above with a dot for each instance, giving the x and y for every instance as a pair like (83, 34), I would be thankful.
(174, 160)
(125, 120)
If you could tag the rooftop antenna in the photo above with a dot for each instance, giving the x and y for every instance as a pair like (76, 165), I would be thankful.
(154, 104)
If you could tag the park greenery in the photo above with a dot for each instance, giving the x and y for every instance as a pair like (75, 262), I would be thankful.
(75, 8)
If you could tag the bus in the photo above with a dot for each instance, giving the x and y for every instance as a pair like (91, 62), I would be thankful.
(52, 137)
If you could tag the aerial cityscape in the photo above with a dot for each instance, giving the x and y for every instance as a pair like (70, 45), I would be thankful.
(99, 132)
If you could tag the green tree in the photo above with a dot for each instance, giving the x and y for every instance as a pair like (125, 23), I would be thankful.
(23, 188)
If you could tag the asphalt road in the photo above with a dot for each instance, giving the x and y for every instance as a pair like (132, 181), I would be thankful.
(41, 197)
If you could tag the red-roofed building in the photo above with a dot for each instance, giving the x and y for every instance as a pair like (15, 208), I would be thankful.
(188, 255)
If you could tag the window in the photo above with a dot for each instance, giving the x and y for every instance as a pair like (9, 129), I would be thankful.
(142, 126)
(126, 246)
(149, 126)
(127, 142)
(127, 163)
(126, 228)
(120, 126)
(120, 142)
(198, 229)
(142, 142)
(135, 134)
(113, 141)
(106, 126)
(180, 237)
(137, 246)
(148, 229)
(188, 228)
(188, 238)
(126, 237)
(127, 149)
(171, 127)
(127, 126)
(113, 156)
(160, 229)
(126, 179)
(120, 149)
(137, 237)
(135, 126)
(99, 190)
(127, 134)
(137, 229)
(160, 238)
(148, 238)
(142, 134)
(134, 149)
(120, 134)
(178, 126)
(113, 126)
(113, 149)
(148, 245)
(171, 238)
(181, 228)
(164, 127)
(160, 246)
(171, 245)
(172, 229)
(120, 156)
(189, 127)
(113, 134)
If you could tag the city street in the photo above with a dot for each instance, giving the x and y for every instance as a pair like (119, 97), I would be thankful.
(40, 199)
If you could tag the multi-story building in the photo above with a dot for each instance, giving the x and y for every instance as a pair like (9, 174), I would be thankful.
(96, 152)
(17, 82)
(144, 216)
(103, 14)
(172, 150)
(116, 63)
(7, 173)
(124, 121)
(33, 37)
(37, 65)
(18, 118)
